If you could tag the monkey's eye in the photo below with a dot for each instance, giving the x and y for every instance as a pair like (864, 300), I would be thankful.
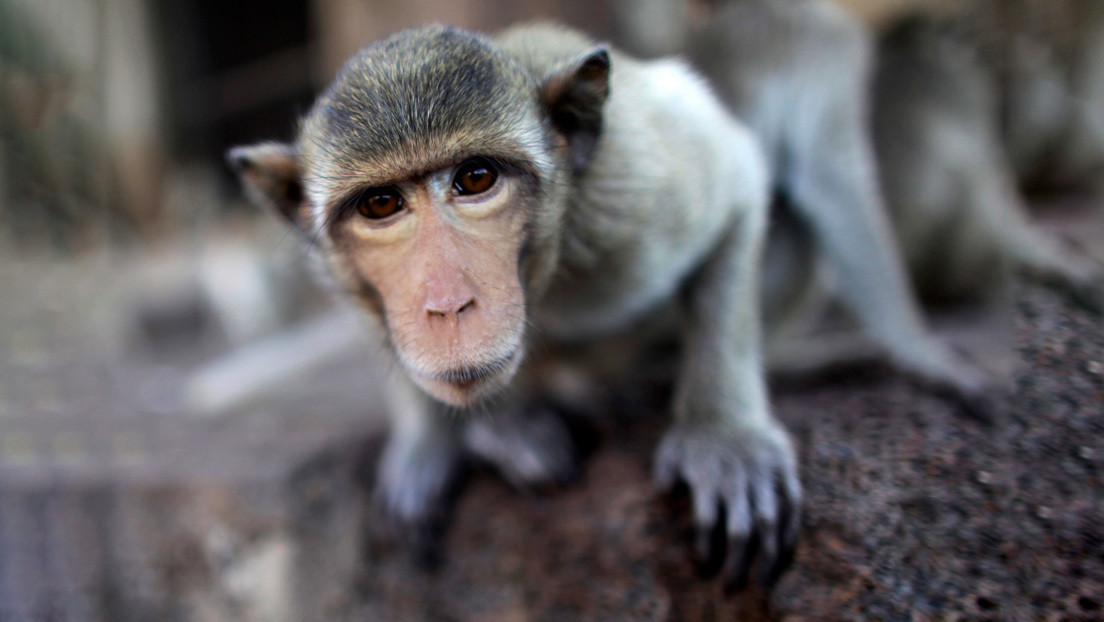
(475, 176)
(379, 203)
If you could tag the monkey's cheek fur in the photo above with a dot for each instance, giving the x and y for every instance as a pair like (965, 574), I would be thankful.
(468, 385)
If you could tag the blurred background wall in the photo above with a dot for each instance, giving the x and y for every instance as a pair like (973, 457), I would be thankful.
(114, 114)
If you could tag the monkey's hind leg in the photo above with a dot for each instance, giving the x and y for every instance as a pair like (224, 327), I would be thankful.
(530, 450)
(835, 187)
(998, 207)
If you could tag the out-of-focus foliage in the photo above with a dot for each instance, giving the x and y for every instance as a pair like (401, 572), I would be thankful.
(54, 178)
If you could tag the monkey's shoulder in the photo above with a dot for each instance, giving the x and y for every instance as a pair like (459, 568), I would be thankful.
(672, 173)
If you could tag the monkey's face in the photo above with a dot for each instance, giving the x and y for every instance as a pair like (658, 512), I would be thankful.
(432, 173)
(442, 251)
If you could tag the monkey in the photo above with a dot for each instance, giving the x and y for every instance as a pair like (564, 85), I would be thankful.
(797, 72)
(491, 202)
(950, 183)
(801, 74)
(1045, 62)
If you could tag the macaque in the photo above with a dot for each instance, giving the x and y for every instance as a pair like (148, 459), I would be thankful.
(491, 202)
(798, 72)
(950, 184)
(1044, 62)
(862, 174)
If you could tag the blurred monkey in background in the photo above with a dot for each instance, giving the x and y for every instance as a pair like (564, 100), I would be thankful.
(798, 72)
(1045, 61)
(950, 184)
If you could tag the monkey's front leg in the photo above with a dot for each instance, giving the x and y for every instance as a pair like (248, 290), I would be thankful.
(418, 471)
(725, 444)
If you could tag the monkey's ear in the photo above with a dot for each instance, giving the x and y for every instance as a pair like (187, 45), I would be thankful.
(269, 172)
(574, 95)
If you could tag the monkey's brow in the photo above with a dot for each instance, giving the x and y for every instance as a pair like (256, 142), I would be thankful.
(352, 176)
(352, 186)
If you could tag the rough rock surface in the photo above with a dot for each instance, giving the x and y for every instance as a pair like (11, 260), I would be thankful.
(912, 513)
(111, 511)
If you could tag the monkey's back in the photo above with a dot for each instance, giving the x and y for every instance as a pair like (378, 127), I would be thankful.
(774, 63)
(935, 130)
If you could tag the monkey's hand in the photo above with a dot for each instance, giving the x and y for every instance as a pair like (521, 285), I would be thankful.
(743, 483)
(1080, 279)
(975, 392)
(413, 494)
(529, 450)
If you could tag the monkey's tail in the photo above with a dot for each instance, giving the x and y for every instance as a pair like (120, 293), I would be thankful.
(794, 274)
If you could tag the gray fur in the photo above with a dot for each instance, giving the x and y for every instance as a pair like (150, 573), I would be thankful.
(798, 72)
(957, 211)
(648, 198)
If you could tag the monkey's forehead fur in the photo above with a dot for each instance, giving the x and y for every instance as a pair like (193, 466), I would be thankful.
(426, 96)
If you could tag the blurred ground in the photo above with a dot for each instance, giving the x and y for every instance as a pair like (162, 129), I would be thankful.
(119, 500)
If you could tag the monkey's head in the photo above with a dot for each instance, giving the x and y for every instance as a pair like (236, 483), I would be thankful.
(431, 175)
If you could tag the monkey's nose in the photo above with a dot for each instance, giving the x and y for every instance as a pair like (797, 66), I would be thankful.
(446, 308)
(447, 294)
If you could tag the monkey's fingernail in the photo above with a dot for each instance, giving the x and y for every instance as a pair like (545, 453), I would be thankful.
(569, 477)
(428, 556)
(709, 551)
(237, 159)
(741, 554)
(770, 576)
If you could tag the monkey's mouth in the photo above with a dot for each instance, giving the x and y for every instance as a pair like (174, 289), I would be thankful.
(462, 386)
(469, 376)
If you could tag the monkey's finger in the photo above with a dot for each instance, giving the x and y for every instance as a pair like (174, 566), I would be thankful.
(789, 523)
(769, 575)
(765, 502)
(424, 541)
(742, 545)
(791, 512)
(665, 469)
(709, 549)
(980, 406)
(706, 536)
(419, 537)
(741, 554)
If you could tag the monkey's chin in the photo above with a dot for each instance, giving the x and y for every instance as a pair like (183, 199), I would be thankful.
(466, 386)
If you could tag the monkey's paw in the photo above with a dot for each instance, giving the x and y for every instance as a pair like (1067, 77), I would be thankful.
(530, 450)
(743, 483)
(414, 493)
(1082, 282)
